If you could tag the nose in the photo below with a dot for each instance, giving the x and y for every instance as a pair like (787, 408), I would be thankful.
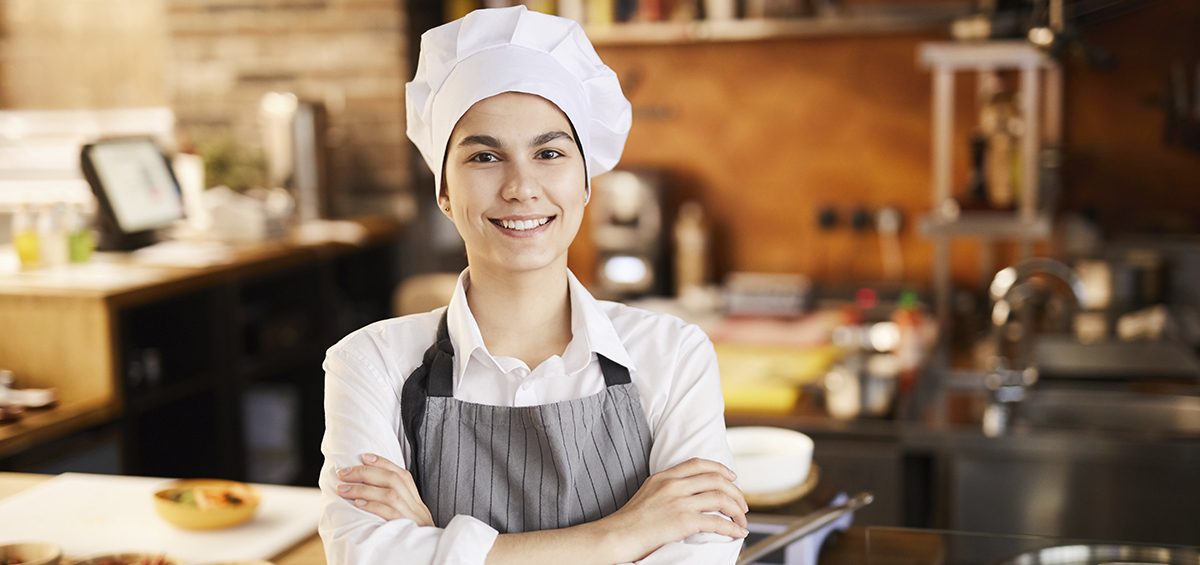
(520, 183)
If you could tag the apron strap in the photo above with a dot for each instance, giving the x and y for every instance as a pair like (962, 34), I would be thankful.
(423, 383)
(614, 373)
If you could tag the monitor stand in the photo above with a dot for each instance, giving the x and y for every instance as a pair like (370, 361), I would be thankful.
(111, 238)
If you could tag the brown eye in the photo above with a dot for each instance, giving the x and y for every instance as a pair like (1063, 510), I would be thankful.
(549, 154)
(483, 158)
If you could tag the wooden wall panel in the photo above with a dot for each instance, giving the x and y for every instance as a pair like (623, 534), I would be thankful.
(764, 133)
(60, 342)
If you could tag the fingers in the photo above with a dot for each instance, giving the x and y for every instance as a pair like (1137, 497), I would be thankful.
(385, 503)
(377, 508)
(383, 488)
(367, 492)
(709, 482)
(720, 502)
(704, 482)
(696, 466)
(719, 484)
(379, 476)
(372, 460)
(719, 525)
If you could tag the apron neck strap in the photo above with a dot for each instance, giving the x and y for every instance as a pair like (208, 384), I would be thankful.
(440, 361)
(614, 373)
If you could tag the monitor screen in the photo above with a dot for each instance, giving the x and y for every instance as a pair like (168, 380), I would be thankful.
(135, 179)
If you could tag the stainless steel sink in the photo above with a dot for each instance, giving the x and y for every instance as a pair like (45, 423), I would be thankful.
(1105, 410)
(1063, 357)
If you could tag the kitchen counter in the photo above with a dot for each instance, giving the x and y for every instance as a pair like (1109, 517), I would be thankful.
(182, 334)
(38, 426)
(848, 549)
(854, 546)
(308, 552)
(933, 466)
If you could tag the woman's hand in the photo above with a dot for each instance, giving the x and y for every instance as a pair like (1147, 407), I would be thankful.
(383, 489)
(671, 505)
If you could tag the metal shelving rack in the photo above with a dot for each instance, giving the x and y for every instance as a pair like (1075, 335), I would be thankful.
(1040, 101)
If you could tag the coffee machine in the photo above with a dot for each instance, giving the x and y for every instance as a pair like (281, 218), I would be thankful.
(630, 229)
(294, 133)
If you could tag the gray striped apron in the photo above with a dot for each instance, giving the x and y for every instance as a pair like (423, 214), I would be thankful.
(523, 468)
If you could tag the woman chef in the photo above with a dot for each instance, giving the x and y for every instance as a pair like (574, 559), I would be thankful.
(526, 422)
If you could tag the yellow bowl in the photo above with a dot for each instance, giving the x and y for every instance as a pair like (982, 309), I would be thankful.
(30, 553)
(130, 558)
(199, 515)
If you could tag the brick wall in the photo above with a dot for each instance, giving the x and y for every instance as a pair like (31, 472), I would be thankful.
(351, 55)
(212, 60)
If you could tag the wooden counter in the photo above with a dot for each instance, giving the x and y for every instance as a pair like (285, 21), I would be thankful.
(42, 425)
(177, 339)
(308, 552)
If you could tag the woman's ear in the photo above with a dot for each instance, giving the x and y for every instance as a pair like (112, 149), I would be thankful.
(444, 204)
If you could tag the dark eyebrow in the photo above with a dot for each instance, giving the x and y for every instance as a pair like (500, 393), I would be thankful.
(548, 137)
(480, 140)
(495, 143)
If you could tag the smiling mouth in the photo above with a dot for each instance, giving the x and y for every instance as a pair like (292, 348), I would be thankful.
(523, 225)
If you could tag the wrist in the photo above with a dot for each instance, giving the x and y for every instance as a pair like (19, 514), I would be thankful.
(607, 541)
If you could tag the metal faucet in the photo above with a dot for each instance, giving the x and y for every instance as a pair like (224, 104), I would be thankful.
(1009, 379)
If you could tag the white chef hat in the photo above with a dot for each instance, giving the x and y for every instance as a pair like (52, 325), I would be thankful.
(492, 51)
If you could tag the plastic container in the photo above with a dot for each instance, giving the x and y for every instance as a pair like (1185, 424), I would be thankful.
(25, 238)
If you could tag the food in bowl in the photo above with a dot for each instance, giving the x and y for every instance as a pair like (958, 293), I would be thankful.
(30, 554)
(205, 497)
(129, 559)
(204, 504)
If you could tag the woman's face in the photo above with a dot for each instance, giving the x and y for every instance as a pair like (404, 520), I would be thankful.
(514, 182)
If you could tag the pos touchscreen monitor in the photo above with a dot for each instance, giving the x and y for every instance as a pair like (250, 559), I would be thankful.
(136, 190)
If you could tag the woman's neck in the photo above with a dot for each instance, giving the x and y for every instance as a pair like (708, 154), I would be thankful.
(525, 315)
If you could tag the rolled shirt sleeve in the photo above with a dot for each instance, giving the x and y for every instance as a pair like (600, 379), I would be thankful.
(362, 414)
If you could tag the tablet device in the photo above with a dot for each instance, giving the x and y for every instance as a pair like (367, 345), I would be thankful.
(136, 190)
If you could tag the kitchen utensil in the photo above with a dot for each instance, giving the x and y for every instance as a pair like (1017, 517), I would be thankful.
(194, 516)
(802, 527)
(30, 553)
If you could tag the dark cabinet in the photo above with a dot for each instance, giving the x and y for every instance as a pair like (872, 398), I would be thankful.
(225, 380)
(210, 371)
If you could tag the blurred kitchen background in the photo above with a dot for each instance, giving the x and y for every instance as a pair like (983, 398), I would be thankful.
(956, 242)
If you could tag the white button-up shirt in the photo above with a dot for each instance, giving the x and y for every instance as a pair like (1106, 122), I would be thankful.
(671, 362)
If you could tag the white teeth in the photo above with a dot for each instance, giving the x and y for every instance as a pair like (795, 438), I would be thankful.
(522, 225)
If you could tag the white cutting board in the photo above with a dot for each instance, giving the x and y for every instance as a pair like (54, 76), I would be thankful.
(89, 514)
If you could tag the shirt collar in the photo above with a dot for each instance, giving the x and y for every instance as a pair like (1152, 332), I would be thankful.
(591, 324)
(592, 331)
